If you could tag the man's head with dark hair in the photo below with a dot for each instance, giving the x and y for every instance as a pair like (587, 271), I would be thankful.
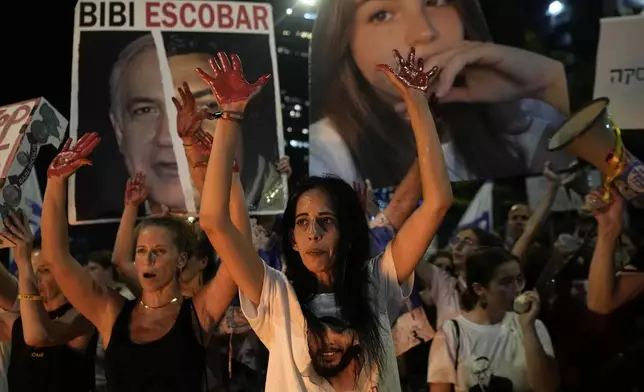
(99, 266)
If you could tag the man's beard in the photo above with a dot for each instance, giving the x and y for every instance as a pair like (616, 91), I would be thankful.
(325, 371)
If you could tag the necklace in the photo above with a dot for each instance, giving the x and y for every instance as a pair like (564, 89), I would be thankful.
(175, 299)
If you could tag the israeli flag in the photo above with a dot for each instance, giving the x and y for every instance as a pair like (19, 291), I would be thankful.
(479, 212)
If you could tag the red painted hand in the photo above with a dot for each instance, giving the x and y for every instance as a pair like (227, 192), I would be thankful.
(135, 190)
(71, 158)
(229, 84)
(203, 142)
(188, 117)
(409, 74)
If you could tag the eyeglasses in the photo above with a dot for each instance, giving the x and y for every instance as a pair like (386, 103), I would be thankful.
(455, 241)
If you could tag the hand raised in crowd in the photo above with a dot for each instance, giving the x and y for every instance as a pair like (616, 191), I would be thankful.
(283, 166)
(135, 190)
(229, 85)
(71, 158)
(610, 218)
(189, 121)
(409, 73)
(18, 232)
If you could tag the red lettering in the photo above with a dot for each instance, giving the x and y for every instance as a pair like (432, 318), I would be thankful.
(170, 19)
(242, 18)
(184, 10)
(205, 10)
(225, 13)
(7, 120)
(170, 14)
(260, 14)
(151, 12)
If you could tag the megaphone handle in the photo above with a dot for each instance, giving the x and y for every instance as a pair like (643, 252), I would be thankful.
(615, 159)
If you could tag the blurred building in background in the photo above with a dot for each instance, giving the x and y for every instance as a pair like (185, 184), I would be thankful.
(293, 26)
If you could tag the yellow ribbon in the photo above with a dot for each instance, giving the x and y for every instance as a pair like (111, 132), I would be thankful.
(617, 160)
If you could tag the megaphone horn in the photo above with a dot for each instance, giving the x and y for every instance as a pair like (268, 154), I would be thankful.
(589, 134)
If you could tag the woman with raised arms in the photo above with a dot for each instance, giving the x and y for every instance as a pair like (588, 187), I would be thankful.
(156, 342)
(325, 320)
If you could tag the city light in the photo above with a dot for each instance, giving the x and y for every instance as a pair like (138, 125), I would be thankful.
(555, 8)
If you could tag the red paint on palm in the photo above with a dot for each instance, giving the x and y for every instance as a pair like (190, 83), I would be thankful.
(71, 158)
(410, 72)
(203, 142)
(189, 119)
(135, 190)
(229, 83)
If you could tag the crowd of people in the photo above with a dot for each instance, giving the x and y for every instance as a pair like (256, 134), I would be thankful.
(309, 301)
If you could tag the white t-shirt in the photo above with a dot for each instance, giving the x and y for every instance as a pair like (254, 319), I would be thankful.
(279, 323)
(487, 352)
(445, 294)
(329, 154)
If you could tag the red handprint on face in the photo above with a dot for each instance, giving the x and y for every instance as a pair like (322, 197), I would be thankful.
(135, 190)
(229, 84)
(71, 158)
(410, 73)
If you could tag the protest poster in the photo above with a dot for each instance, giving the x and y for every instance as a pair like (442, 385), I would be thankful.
(360, 126)
(128, 60)
(24, 128)
(619, 74)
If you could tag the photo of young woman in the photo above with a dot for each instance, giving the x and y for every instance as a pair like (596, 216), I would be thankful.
(495, 106)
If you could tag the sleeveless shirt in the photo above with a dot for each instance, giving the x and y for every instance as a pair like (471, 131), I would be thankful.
(50, 369)
(174, 363)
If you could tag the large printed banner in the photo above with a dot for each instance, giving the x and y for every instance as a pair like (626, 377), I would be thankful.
(620, 69)
(360, 127)
(129, 58)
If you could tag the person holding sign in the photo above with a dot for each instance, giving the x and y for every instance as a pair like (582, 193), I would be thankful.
(325, 320)
(155, 342)
(52, 345)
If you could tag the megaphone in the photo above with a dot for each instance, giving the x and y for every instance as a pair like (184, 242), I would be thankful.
(590, 135)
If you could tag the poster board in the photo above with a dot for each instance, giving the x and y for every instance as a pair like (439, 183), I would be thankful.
(128, 60)
(619, 73)
(24, 128)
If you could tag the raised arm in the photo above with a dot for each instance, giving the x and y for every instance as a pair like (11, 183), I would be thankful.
(196, 141)
(534, 223)
(122, 256)
(415, 235)
(216, 296)
(98, 304)
(38, 329)
(606, 291)
(212, 300)
(236, 250)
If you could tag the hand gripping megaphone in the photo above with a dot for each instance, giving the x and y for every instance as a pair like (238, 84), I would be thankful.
(590, 134)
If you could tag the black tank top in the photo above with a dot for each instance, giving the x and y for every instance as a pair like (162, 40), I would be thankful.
(50, 369)
(171, 364)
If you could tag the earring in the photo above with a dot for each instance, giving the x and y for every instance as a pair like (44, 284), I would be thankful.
(483, 302)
